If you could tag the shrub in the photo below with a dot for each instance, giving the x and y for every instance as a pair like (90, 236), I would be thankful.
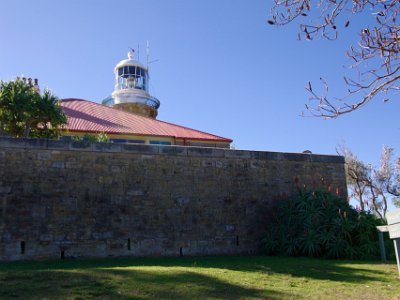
(88, 137)
(102, 137)
(321, 224)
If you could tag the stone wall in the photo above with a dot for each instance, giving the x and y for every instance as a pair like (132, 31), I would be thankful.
(77, 199)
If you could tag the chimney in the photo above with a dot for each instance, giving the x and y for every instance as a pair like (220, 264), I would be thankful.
(36, 85)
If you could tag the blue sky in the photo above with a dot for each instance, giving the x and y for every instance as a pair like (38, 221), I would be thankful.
(220, 67)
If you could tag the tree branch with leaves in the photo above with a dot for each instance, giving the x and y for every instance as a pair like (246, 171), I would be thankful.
(24, 112)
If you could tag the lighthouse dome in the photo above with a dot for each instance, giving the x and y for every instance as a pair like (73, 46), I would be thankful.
(130, 61)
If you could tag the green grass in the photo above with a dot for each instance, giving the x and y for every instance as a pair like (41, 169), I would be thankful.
(252, 277)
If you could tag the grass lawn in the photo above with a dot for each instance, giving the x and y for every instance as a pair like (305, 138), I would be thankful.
(252, 277)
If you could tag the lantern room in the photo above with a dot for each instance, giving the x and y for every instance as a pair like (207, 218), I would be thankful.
(130, 74)
(131, 91)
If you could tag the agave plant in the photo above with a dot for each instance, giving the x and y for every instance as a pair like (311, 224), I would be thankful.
(321, 224)
(311, 243)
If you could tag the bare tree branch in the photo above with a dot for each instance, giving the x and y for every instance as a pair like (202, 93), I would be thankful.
(375, 56)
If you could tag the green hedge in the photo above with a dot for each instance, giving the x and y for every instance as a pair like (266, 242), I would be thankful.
(322, 224)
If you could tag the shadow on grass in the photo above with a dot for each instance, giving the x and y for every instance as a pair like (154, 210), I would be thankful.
(334, 270)
(123, 284)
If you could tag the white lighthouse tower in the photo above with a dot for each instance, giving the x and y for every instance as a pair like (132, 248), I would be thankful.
(131, 91)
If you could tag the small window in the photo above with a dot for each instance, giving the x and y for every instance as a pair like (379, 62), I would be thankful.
(135, 142)
(22, 247)
(120, 71)
(126, 141)
(119, 141)
(159, 143)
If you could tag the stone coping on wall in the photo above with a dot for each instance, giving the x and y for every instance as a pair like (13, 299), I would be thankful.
(48, 144)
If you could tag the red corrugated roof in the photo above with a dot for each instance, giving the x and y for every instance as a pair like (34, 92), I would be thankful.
(87, 116)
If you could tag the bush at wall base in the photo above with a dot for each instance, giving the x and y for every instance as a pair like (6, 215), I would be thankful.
(322, 224)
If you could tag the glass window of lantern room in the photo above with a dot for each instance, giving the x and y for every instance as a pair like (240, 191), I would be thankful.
(120, 71)
(139, 84)
(120, 82)
(144, 84)
(126, 71)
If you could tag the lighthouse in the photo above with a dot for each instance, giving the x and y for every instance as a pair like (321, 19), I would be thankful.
(128, 116)
(131, 91)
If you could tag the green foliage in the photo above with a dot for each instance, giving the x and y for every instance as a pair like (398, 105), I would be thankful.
(89, 137)
(102, 137)
(24, 112)
(321, 224)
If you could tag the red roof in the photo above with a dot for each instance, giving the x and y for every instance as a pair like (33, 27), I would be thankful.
(87, 116)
